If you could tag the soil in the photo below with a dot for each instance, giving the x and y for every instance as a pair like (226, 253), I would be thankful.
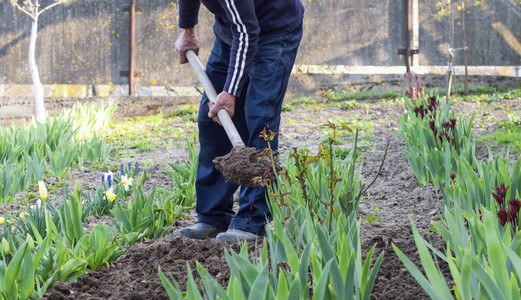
(393, 203)
(243, 165)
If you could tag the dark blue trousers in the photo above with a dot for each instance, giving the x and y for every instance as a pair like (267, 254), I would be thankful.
(258, 106)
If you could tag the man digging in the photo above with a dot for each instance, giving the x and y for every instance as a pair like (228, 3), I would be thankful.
(256, 42)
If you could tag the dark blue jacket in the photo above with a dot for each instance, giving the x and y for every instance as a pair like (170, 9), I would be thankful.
(241, 24)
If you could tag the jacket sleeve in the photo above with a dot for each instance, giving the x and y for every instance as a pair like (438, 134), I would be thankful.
(245, 37)
(188, 13)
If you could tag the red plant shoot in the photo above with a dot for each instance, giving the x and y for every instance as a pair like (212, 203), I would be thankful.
(506, 214)
(500, 195)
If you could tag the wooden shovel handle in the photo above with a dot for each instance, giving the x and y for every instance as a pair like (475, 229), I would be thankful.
(222, 114)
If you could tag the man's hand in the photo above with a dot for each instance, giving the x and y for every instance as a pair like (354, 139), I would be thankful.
(223, 100)
(188, 40)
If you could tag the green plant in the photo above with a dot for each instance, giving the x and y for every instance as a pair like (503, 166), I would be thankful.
(57, 261)
(290, 104)
(480, 230)
(142, 145)
(509, 134)
(45, 260)
(434, 284)
(483, 258)
(60, 160)
(71, 216)
(431, 144)
(373, 218)
(472, 186)
(347, 270)
(60, 264)
(138, 219)
(183, 179)
(17, 278)
(99, 247)
(35, 219)
(102, 200)
(348, 104)
(99, 202)
(90, 119)
(36, 166)
(315, 209)
(61, 141)
(335, 263)
(13, 178)
(93, 150)
(325, 185)
(188, 113)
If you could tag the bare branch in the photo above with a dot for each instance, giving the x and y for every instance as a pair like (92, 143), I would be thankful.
(23, 10)
(50, 6)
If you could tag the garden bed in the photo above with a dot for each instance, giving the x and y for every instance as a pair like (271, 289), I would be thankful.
(386, 212)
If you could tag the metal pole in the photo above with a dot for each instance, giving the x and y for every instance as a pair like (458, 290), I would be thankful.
(465, 49)
(408, 35)
(131, 47)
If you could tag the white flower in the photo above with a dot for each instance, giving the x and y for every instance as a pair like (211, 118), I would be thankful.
(43, 190)
(38, 204)
(110, 194)
(126, 181)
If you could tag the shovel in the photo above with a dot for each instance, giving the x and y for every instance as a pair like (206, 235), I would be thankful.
(243, 164)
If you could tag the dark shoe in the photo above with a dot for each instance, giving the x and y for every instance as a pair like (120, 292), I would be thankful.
(235, 235)
(200, 231)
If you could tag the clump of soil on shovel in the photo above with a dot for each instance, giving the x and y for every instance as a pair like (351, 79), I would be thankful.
(243, 164)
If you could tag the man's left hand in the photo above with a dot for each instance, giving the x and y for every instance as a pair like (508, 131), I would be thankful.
(224, 100)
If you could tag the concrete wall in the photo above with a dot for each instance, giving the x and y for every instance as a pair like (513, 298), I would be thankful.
(493, 34)
(86, 42)
(347, 44)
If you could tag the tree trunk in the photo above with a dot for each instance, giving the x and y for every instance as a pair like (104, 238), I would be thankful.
(37, 84)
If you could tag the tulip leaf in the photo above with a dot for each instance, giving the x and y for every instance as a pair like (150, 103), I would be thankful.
(495, 254)
(259, 287)
(72, 269)
(192, 291)
(321, 285)
(304, 264)
(27, 275)
(338, 283)
(417, 274)
(325, 247)
(13, 270)
(487, 282)
(172, 290)
(282, 285)
(212, 288)
(372, 276)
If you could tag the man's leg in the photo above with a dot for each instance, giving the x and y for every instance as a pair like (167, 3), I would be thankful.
(267, 85)
(214, 194)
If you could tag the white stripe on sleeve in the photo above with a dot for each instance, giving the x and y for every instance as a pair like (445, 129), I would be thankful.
(240, 59)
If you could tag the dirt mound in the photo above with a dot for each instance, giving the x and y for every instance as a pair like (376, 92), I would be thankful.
(134, 275)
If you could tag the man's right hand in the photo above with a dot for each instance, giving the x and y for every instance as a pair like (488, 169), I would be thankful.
(188, 40)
